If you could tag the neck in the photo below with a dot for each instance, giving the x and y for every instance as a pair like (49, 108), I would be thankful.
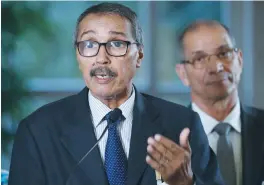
(115, 101)
(218, 109)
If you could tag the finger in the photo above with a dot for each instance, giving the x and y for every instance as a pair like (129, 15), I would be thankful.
(154, 164)
(184, 139)
(157, 156)
(169, 144)
(160, 148)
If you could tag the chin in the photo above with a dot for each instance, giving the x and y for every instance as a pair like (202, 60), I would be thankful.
(221, 95)
(106, 92)
(218, 93)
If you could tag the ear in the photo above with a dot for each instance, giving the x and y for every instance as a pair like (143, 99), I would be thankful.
(140, 57)
(240, 58)
(181, 72)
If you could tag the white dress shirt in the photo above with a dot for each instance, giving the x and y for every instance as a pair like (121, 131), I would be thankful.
(234, 120)
(99, 110)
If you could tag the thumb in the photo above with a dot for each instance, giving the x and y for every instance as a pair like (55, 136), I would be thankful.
(184, 139)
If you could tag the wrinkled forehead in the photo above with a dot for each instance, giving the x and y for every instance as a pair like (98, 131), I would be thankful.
(104, 26)
(207, 39)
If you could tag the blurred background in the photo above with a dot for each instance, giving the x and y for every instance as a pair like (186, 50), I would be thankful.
(38, 58)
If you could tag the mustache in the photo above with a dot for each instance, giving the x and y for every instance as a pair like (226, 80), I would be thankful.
(104, 71)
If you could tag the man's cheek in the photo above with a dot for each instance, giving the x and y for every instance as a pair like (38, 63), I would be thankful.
(84, 68)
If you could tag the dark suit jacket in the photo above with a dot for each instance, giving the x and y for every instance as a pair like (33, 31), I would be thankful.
(252, 130)
(51, 141)
(252, 134)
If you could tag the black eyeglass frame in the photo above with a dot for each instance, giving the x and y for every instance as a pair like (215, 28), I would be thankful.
(128, 43)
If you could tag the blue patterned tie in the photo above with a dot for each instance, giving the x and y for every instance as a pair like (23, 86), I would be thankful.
(115, 157)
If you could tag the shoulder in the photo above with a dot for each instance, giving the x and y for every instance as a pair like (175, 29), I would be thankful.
(167, 106)
(252, 123)
(254, 113)
(173, 115)
(253, 110)
(253, 117)
(52, 112)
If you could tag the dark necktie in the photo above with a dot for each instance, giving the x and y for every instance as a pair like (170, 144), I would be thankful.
(115, 157)
(225, 154)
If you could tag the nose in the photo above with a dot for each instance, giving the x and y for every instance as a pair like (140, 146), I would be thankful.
(102, 56)
(215, 64)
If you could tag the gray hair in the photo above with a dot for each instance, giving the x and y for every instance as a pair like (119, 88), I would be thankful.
(116, 9)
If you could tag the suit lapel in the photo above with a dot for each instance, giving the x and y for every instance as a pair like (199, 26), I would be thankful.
(251, 150)
(78, 137)
(145, 124)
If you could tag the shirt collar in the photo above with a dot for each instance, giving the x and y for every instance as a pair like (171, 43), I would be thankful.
(99, 109)
(209, 122)
(234, 118)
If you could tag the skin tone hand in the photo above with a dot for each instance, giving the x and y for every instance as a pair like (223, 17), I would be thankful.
(172, 161)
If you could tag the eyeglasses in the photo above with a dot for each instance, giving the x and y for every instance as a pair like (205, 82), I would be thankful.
(200, 62)
(116, 48)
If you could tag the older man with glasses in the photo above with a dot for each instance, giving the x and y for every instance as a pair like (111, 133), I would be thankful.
(212, 67)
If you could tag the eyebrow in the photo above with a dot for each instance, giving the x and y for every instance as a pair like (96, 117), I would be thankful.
(223, 47)
(117, 33)
(87, 32)
(110, 32)
(198, 52)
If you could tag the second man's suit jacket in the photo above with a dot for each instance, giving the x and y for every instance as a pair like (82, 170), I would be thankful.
(252, 133)
(252, 137)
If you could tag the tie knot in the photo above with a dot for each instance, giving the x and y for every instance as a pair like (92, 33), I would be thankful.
(222, 128)
(114, 116)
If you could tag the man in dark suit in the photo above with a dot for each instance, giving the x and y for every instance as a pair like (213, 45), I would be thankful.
(212, 67)
(148, 140)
